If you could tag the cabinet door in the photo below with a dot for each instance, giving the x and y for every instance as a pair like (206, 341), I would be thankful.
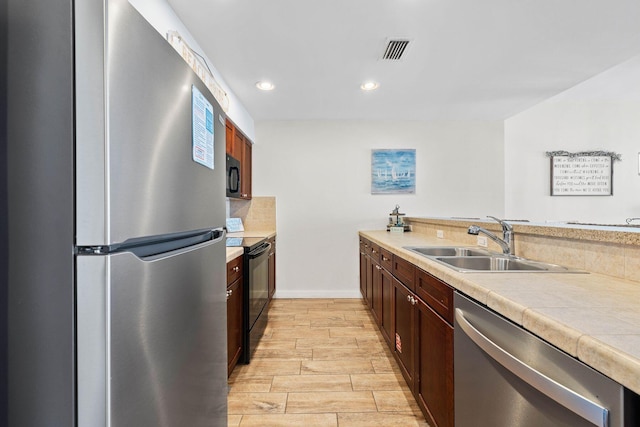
(234, 324)
(272, 268)
(245, 179)
(363, 271)
(376, 292)
(229, 139)
(434, 370)
(404, 336)
(386, 324)
(369, 282)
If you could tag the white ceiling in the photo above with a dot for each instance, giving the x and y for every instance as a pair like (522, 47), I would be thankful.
(468, 59)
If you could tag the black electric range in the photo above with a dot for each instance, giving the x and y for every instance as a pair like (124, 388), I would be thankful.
(255, 282)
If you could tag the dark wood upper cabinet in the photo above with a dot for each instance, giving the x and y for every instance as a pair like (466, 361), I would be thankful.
(240, 147)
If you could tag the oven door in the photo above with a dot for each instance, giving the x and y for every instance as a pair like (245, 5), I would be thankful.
(258, 281)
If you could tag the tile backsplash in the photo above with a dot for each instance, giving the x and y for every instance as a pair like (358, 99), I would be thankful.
(257, 214)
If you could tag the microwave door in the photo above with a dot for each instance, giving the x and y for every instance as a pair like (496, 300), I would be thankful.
(233, 181)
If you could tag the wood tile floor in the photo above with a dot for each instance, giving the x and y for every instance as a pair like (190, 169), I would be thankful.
(322, 362)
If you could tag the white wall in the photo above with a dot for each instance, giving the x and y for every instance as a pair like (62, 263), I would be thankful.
(161, 15)
(602, 113)
(320, 174)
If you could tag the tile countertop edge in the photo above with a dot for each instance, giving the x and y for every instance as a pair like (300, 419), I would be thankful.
(612, 361)
(233, 253)
(267, 234)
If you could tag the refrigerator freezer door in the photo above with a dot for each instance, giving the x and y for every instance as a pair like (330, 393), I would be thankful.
(135, 170)
(151, 341)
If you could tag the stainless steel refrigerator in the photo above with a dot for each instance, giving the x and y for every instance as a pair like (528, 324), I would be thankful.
(116, 206)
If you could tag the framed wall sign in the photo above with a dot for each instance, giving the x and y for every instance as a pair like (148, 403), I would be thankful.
(582, 174)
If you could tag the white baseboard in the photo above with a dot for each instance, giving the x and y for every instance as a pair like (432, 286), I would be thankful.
(281, 293)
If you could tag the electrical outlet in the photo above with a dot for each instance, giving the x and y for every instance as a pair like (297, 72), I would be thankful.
(482, 241)
(440, 234)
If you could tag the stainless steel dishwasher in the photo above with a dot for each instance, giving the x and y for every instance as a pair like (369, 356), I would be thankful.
(508, 377)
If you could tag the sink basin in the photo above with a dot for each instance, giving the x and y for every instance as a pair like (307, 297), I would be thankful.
(476, 260)
(489, 264)
(447, 251)
(500, 263)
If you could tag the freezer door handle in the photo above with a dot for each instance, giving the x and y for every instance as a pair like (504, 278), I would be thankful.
(566, 397)
(218, 234)
(210, 238)
(157, 247)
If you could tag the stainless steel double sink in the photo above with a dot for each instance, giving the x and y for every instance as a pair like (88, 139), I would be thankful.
(466, 259)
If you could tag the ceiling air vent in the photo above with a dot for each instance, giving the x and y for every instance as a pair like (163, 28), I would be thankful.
(394, 49)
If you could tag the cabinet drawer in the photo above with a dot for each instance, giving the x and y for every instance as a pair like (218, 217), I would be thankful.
(234, 270)
(374, 251)
(437, 294)
(386, 259)
(364, 246)
(405, 272)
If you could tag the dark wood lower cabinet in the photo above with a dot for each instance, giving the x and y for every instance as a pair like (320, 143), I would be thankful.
(386, 322)
(234, 324)
(434, 370)
(363, 274)
(376, 292)
(404, 333)
(272, 268)
(416, 325)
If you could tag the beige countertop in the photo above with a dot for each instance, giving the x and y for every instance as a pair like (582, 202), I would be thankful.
(593, 317)
(253, 233)
(233, 253)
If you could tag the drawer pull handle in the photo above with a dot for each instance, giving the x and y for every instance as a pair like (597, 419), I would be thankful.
(236, 269)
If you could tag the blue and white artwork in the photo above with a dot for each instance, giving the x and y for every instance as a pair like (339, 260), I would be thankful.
(393, 171)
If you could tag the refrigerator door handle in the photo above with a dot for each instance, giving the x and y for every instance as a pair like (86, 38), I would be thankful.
(213, 236)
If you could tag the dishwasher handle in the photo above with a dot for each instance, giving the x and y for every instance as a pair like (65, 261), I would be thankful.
(566, 397)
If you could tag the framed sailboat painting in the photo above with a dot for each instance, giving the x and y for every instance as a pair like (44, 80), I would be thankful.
(393, 171)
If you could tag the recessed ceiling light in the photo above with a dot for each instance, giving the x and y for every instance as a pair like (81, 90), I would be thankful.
(265, 85)
(369, 86)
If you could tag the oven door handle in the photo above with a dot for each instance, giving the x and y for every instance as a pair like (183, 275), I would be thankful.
(559, 393)
(259, 251)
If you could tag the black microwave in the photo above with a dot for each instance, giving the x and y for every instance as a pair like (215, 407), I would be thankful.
(233, 177)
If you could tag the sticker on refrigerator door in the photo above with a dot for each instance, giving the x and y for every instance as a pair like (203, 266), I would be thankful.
(202, 128)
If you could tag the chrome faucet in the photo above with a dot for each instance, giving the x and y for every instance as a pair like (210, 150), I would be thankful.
(506, 243)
